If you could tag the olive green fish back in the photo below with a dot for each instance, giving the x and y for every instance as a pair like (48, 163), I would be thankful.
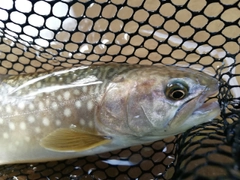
(204, 35)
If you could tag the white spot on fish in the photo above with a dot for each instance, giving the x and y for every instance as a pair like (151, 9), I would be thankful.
(12, 126)
(31, 106)
(5, 135)
(73, 126)
(60, 79)
(89, 105)
(22, 125)
(54, 106)
(39, 84)
(31, 119)
(46, 121)
(82, 122)
(67, 112)
(21, 105)
(66, 95)
(90, 124)
(59, 97)
(1, 121)
(74, 76)
(37, 129)
(8, 109)
(78, 104)
(84, 89)
(76, 92)
(58, 122)
(41, 106)
(27, 138)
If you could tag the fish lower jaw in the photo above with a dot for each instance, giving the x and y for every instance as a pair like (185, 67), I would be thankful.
(207, 107)
(203, 114)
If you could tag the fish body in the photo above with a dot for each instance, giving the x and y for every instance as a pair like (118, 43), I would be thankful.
(92, 109)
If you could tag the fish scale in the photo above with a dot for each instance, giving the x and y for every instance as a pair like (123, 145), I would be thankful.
(91, 109)
(50, 80)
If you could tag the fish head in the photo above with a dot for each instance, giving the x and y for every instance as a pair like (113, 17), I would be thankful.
(159, 100)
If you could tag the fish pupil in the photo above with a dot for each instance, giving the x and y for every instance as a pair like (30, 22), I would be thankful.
(178, 94)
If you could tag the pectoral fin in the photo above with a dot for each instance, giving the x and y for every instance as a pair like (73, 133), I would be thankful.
(70, 140)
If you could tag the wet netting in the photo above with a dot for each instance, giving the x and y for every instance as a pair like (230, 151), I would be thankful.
(199, 34)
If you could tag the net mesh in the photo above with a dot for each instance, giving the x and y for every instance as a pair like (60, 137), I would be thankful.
(204, 35)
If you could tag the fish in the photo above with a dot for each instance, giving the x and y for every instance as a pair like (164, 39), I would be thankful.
(86, 110)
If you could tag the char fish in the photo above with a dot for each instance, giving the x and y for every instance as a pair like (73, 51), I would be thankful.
(93, 109)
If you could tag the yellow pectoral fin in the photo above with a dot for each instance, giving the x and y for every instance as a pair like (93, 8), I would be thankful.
(69, 140)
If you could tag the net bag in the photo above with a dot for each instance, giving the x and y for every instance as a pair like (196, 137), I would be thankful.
(199, 34)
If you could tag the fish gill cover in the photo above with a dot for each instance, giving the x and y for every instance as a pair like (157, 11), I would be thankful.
(203, 35)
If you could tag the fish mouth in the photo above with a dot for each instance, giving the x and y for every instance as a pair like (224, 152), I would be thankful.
(206, 105)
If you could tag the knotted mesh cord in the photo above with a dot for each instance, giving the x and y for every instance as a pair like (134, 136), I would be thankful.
(43, 35)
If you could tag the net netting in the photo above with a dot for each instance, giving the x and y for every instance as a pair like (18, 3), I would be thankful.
(199, 34)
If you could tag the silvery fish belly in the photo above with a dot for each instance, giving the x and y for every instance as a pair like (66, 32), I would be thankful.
(92, 109)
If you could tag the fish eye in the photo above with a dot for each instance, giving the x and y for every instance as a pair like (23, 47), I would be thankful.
(176, 90)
